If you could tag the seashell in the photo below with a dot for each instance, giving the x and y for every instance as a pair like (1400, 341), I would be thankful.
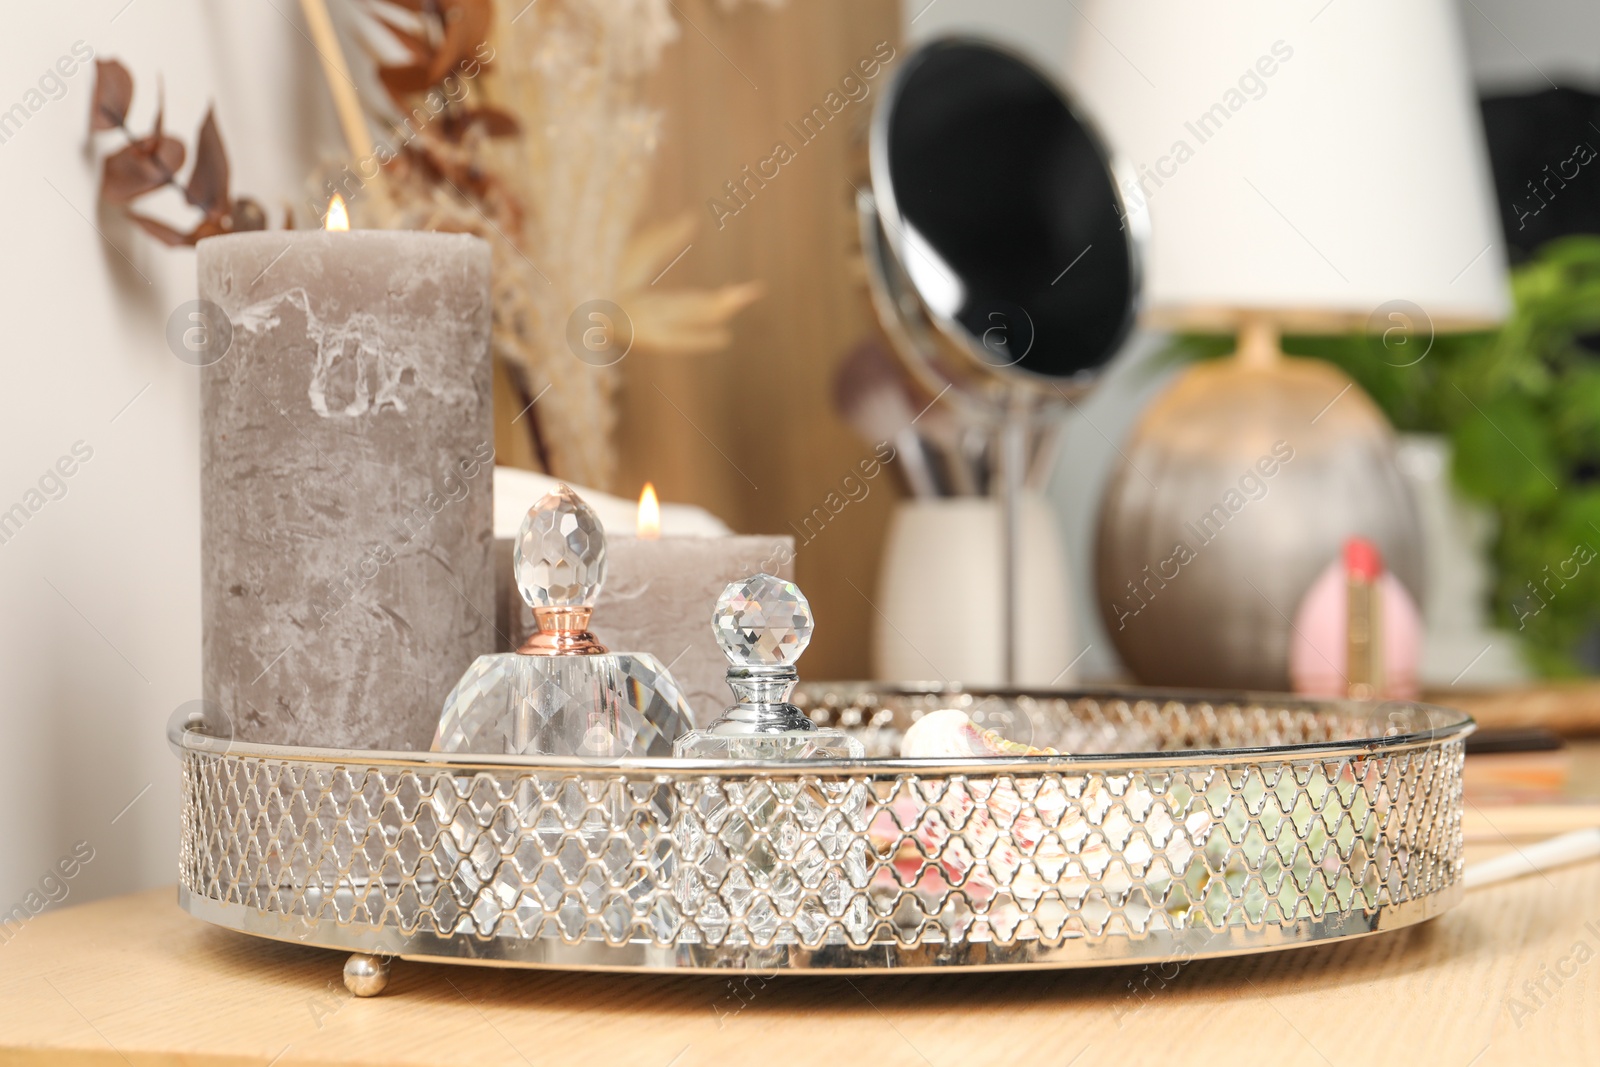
(951, 732)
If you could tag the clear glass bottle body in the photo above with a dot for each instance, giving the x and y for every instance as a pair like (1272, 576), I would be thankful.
(601, 707)
(763, 725)
(816, 743)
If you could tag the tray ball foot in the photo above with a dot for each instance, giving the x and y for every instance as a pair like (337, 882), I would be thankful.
(364, 975)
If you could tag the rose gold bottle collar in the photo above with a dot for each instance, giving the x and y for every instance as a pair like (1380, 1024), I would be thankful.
(562, 631)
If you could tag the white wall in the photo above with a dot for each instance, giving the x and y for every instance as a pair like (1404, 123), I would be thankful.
(1041, 28)
(1513, 45)
(99, 591)
(1522, 46)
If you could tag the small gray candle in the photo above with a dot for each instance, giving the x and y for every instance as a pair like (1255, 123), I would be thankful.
(346, 482)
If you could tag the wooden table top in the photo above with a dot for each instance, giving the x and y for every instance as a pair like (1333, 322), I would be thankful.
(136, 981)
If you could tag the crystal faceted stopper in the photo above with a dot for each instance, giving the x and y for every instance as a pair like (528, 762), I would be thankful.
(562, 693)
(763, 623)
(560, 553)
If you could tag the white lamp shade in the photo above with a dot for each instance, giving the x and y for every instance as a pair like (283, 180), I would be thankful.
(1312, 162)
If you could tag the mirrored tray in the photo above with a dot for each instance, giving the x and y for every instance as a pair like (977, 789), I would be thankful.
(1182, 826)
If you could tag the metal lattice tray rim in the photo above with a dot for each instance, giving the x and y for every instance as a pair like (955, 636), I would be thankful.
(1183, 826)
(1394, 726)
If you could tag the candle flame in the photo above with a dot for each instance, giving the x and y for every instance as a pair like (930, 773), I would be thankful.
(649, 514)
(337, 217)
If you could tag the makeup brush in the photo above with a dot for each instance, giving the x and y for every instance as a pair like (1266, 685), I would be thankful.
(958, 446)
(870, 393)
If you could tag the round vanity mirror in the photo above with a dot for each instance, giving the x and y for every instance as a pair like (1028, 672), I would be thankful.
(998, 211)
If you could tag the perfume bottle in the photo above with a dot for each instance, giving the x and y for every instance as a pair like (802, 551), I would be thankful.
(562, 693)
(763, 624)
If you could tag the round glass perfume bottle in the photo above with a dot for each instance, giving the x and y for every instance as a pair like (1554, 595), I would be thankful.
(562, 693)
(763, 623)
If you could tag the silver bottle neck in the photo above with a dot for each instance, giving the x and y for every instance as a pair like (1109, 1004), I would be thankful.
(763, 702)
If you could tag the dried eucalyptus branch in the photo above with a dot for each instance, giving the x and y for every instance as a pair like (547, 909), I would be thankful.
(145, 164)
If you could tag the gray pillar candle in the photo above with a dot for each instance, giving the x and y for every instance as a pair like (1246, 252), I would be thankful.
(347, 450)
(659, 597)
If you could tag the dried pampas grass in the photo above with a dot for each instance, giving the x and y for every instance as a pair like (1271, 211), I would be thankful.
(559, 199)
